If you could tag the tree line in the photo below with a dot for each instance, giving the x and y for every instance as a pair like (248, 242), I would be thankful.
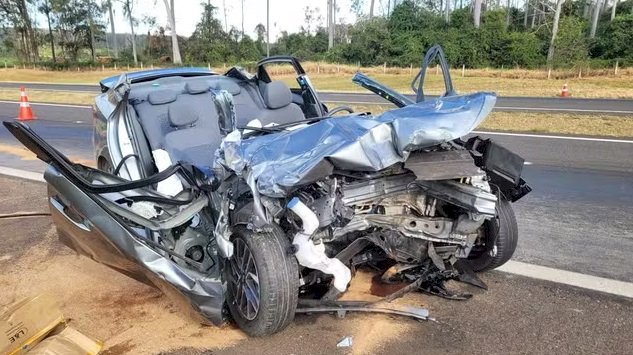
(477, 33)
(474, 33)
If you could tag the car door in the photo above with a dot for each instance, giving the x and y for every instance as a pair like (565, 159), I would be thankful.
(84, 208)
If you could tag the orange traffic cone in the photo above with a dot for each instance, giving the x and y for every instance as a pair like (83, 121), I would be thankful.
(565, 91)
(25, 113)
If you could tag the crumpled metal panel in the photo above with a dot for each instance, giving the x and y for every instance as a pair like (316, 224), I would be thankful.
(106, 240)
(278, 163)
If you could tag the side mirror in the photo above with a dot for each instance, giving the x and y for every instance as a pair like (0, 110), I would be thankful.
(225, 108)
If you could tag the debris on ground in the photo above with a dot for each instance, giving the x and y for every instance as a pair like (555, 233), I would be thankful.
(344, 343)
(36, 325)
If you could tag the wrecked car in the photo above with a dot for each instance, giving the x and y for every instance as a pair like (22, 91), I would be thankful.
(242, 198)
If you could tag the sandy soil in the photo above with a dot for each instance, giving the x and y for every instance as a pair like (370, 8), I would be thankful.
(130, 317)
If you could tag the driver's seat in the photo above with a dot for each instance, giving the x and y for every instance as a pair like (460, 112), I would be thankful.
(279, 106)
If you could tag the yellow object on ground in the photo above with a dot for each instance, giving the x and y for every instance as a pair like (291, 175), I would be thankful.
(36, 326)
(68, 341)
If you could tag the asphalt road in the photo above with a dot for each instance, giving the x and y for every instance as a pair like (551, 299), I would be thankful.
(578, 217)
(515, 315)
(530, 104)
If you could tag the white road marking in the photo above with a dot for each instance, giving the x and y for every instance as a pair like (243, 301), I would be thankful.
(23, 174)
(561, 109)
(56, 90)
(563, 277)
(573, 138)
(539, 109)
(595, 283)
(528, 163)
(47, 104)
(23, 83)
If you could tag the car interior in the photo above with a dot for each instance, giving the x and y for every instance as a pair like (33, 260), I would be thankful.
(178, 114)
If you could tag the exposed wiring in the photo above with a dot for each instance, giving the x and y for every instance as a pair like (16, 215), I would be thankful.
(120, 165)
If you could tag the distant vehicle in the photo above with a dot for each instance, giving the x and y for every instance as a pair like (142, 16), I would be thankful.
(236, 192)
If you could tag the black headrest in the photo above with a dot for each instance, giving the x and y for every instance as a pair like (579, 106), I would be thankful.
(276, 94)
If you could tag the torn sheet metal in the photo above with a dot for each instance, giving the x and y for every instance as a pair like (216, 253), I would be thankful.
(281, 162)
(105, 239)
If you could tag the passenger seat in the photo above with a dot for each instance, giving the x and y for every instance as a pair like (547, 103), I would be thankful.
(278, 100)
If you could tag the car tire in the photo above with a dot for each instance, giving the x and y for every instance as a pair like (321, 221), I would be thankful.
(278, 281)
(504, 232)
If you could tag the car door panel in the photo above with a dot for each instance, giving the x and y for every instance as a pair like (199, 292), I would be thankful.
(88, 227)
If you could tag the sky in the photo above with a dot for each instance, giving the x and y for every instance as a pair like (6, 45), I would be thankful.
(285, 15)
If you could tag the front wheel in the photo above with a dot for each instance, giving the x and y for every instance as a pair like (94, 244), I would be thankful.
(262, 281)
(500, 240)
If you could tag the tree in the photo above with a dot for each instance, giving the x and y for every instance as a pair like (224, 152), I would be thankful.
(260, 30)
(357, 7)
(45, 8)
(226, 22)
(16, 13)
(508, 13)
(128, 6)
(447, 12)
(93, 12)
(208, 42)
(330, 23)
(477, 13)
(115, 46)
(260, 33)
(613, 9)
(616, 42)
(171, 18)
(570, 43)
(312, 19)
(594, 18)
(550, 51)
(77, 25)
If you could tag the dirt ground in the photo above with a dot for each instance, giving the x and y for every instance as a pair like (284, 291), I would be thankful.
(516, 315)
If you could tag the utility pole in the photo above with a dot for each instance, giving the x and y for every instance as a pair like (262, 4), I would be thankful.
(268, 28)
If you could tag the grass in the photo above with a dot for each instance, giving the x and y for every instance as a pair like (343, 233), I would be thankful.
(557, 123)
(60, 97)
(597, 83)
(49, 76)
(595, 87)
